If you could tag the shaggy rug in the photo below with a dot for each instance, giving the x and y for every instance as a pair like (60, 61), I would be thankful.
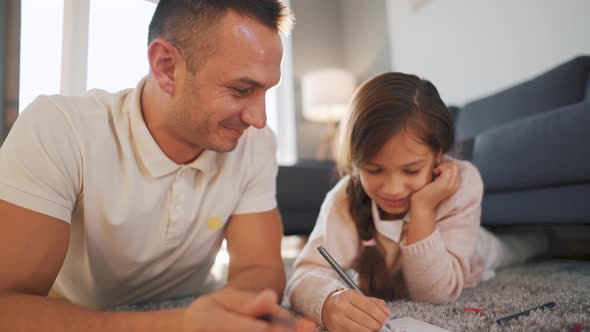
(512, 290)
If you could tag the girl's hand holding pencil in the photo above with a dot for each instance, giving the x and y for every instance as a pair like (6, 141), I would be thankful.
(349, 310)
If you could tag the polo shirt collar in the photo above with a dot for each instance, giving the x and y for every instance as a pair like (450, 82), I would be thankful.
(206, 162)
(153, 158)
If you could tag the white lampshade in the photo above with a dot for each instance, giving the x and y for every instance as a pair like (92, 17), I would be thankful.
(326, 94)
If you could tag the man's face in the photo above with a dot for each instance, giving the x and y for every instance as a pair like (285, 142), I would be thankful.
(227, 94)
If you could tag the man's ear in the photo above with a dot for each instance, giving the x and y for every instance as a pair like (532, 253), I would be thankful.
(163, 58)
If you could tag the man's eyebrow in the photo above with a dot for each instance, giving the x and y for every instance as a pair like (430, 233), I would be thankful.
(249, 81)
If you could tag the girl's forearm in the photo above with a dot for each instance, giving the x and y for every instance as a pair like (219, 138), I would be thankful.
(422, 224)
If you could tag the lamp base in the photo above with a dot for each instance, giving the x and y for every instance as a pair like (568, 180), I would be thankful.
(325, 149)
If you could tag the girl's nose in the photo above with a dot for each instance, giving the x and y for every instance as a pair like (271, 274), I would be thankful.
(393, 187)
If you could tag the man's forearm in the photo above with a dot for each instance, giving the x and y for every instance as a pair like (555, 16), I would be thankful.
(19, 312)
(257, 278)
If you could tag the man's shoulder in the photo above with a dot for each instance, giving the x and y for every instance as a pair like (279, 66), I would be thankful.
(93, 102)
(79, 118)
(94, 110)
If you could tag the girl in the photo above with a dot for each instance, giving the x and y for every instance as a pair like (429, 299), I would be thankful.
(405, 217)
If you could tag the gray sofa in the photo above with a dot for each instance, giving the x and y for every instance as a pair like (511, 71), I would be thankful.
(301, 189)
(530, 143)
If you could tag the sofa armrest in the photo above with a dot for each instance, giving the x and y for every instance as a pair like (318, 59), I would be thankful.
(544, 150)
(301, 189)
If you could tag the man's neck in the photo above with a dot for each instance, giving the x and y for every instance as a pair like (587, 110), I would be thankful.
(153, 110)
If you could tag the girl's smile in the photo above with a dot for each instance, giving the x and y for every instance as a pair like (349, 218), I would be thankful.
(397, 203)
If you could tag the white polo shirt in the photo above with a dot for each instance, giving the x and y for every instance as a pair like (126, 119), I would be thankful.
(142, 226)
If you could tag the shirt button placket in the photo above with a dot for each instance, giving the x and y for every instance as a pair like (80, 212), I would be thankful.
(177, 209)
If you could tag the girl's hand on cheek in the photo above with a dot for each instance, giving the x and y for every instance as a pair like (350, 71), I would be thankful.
(445, 184)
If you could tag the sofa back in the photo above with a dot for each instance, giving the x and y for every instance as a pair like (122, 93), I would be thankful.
(565, 84)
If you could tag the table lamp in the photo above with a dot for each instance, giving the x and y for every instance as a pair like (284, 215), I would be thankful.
(325, 96)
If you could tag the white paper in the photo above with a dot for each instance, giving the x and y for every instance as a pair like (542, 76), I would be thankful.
(408, 324)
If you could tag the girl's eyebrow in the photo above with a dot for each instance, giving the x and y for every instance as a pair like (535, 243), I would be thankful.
(414, 163)
(370, 163)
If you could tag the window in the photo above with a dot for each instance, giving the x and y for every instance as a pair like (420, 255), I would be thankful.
(40, 53)
(117, 43)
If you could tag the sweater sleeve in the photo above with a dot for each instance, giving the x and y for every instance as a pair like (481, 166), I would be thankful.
(436, 267)
(313, 279)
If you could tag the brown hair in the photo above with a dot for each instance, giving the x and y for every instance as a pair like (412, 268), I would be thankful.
(187, 23)
(382, 107)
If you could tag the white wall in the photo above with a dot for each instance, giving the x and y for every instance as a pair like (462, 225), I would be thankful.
(366, 38)
(470, 49)
(317, 37)
(336, 33)
(317, 43)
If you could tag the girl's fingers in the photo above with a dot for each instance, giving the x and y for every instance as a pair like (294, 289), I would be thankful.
(351, 325)
(383, 306)
(367, 313)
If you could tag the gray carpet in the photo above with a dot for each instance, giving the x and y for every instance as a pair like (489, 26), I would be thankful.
(565, 282)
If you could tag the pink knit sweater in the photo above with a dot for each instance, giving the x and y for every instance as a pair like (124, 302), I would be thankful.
(434, 270)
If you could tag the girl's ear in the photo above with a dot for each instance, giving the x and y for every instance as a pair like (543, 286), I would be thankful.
(438, 158)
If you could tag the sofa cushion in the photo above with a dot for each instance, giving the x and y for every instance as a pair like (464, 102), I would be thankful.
(555, 205)
(563, 85)
(543, 150)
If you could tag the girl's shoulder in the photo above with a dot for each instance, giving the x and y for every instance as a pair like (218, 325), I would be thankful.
(338, 196)
(470, 176)
(470, 189)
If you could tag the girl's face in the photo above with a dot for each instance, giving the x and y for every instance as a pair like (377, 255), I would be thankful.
(403, 166)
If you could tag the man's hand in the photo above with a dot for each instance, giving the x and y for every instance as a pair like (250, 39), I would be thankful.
(445, 184)
(349, 310)
(231, 310)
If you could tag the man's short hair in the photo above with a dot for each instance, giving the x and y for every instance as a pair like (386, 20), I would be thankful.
(187, 23)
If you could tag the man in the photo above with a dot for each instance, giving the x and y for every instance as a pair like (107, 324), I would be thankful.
(113, 199)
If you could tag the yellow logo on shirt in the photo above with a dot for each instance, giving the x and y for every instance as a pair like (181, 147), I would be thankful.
(214, 223)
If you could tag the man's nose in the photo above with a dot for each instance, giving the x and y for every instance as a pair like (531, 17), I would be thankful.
(255, 113)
